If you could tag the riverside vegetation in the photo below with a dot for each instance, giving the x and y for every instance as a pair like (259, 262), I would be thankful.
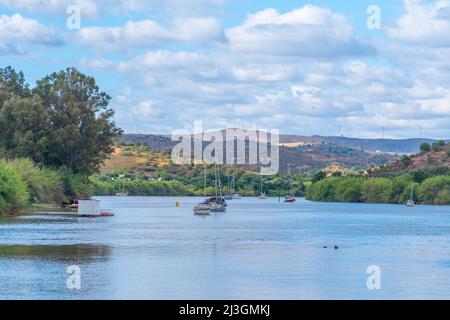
(427, 174)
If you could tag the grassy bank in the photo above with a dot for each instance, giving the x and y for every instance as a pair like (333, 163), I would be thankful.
(23, 184)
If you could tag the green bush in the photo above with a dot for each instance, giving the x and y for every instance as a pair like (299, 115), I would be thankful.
(400, 189)
(425, 147)
(376, 190)
(44, 185)
(13, 191)
(349, 189)
(435, 190)
(74, 185)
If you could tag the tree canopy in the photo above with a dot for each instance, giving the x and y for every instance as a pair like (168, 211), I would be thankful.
(63, 122)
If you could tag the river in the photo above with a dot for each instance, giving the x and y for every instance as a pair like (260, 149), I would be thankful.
(258, 249)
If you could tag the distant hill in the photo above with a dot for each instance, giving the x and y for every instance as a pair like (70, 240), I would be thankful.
(309, 155)
(394, 146)
(397, 146)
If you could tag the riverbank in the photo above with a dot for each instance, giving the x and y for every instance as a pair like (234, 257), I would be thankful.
(24, 186)
(398, 190)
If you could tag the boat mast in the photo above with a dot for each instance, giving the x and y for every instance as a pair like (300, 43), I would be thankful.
(204, 182)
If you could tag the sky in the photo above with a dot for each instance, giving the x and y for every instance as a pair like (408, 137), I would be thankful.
(302, 67)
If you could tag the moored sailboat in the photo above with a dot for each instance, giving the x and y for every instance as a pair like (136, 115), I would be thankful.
(203, 208)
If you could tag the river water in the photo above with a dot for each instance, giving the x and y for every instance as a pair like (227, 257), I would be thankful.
(258, 249)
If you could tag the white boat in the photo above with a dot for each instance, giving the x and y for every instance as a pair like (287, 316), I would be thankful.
(410, 203)
(236, 196)
(262, 194)
(217, 203)
(202, 209)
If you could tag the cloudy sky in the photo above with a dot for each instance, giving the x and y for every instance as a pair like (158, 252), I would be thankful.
(297, 66)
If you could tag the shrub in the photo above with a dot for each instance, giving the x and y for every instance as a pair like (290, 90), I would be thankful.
(436, 146)
(425, 147)
(376, 190)
(44, 185)
(349, 189)
(400, 189)
(433, 190)
(13, 191)
(318, 176)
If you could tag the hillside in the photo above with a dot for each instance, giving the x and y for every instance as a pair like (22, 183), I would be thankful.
(296, 156)
(424, 161)
(395, 146)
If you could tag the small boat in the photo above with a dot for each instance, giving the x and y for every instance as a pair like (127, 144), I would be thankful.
(289, 199)
(202, 209)
(228, 197)
(410, 203)
(262, 194)
(236, 196)
(106, 213)
(122, 194)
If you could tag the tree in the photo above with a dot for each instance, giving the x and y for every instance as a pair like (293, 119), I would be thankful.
(79, 119)
(436, 146)
(25, 130)
(12, 85)
(320, 175)
(425, 147)
(419, 176)
(405, 160)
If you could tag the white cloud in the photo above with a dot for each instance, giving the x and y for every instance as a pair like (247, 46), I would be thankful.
(426, 24)
(308, 32)
(89, 8)
(149, 33)
(16, 31)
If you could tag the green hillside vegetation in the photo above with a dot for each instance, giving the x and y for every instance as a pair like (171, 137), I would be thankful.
(141, 171)
(428, 173)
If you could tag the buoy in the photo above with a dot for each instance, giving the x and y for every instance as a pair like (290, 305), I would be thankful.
(177, 204)
(336, 247)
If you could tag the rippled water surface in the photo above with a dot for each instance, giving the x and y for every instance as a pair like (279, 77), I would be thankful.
(258, 249)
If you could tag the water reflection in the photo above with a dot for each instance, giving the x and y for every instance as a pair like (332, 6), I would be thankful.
(71, 252)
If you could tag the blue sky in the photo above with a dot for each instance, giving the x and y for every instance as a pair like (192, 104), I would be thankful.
(296, 66)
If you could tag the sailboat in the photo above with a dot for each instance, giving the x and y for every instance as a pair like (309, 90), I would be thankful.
(217, 203)
(121, 192)
(203, 208)
(232, 194)
(410, 203)
(229, 195)
(262, 194)
(290, 198)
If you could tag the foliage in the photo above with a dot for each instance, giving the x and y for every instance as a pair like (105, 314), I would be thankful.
(13, 191)
(63, 122)
(425, 147)
(44, 185)
(434, 190)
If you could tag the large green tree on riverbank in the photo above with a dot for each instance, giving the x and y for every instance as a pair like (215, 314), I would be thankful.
(63, 122)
